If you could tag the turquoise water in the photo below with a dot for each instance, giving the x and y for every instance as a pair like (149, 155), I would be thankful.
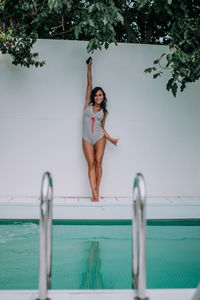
(98, 255)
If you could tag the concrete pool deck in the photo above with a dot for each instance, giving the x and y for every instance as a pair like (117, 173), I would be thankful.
(158, 294)
(118, 208)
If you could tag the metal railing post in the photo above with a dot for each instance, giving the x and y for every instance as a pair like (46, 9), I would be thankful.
(45, 236)
(139, 237)
(197, 293)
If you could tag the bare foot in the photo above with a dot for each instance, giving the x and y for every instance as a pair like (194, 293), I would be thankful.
(94, 200)
(94, 197)
(114, 141)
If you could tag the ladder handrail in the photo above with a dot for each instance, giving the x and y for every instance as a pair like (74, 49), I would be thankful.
(139, 237)
(45, 235)
(197, 293)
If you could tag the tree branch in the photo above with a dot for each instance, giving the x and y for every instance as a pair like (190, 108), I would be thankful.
(63, 32)
(129, 31)
(149, 29)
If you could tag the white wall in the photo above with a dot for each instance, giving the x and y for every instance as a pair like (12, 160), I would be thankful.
(40, 123)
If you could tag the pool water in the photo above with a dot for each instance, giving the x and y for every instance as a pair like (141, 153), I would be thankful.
(97, 255)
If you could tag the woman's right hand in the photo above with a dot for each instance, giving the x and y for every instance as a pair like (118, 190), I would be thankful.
(90, 62)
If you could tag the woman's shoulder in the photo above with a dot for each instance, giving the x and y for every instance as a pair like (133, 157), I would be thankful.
(87, 106)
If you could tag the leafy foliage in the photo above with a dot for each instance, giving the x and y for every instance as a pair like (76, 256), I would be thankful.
(15, 39)
(184, 48)
(22, 22)
(167, 22)
(99, 23)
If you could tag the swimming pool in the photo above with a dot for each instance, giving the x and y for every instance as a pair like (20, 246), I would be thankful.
(97, 254)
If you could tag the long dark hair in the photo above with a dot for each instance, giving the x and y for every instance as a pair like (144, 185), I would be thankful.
(103, 104)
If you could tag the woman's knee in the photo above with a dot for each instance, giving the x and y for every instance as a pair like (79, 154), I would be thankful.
(91, 165)
(98, 162)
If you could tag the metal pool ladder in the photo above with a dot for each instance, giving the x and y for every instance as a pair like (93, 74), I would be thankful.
(139, 237)
(45, 236)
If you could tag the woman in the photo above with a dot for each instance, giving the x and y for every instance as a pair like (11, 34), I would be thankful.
(94, 134)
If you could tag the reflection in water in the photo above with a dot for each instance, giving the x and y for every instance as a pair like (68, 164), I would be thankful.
(92, 278)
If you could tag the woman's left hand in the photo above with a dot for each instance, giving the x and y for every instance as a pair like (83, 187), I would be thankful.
(114, 141)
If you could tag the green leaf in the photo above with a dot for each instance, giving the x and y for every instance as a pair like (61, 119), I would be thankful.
(51, 3)
(91, 23)
(169, 57)
(156, 75)
(169, 84)
(97, 44)
(68, 4)
(148, 70)
(142, 3)
(77, 30)
(106, 45)
(91, 8)
(105, 21)
(99, 6)
(120, 18)
(183, 85)
(174, 89)
(183, 71)
(169, 2)
(90, 45)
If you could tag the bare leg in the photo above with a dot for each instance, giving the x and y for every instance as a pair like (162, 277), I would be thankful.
(99, 152)
(89, 152)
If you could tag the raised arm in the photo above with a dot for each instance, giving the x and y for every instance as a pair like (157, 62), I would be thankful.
(89, 83)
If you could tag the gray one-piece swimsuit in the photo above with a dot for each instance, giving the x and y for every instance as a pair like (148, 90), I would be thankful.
(92, 129)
